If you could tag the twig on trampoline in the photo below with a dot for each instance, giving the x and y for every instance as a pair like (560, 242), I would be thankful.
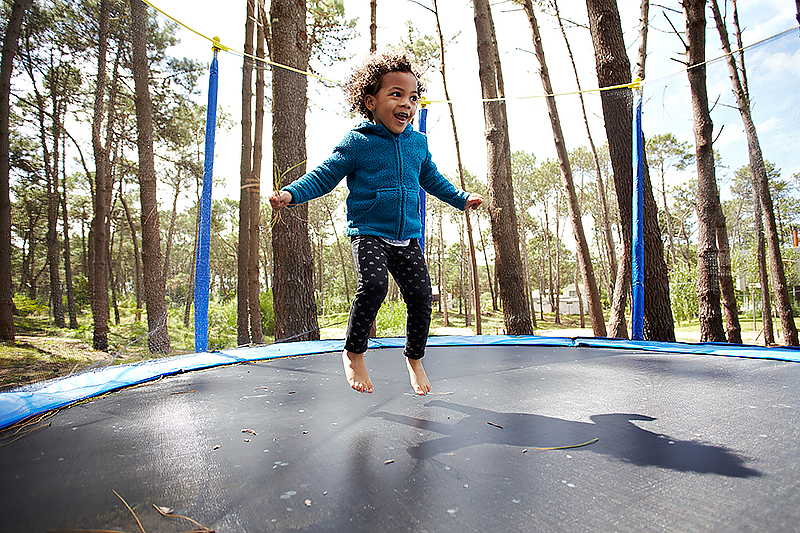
(202, 529)
(131, 510)
(570, 446)
(18, 428)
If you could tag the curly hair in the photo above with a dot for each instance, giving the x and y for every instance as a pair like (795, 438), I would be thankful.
(366, 79)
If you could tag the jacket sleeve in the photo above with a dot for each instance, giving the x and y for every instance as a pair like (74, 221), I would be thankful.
(436, 184)
(327, 175)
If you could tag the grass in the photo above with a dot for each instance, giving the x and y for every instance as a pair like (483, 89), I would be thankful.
(43, 352)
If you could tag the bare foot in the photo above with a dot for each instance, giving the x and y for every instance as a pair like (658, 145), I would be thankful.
(419, 380)
(356, 371)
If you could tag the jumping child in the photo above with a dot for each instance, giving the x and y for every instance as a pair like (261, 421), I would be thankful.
(385, 162)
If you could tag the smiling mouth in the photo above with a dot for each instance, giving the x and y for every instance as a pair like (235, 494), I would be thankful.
(402, 117)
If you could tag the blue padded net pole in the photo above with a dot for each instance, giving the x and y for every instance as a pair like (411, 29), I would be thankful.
(423, 128)
(637, 268)
(202, 269)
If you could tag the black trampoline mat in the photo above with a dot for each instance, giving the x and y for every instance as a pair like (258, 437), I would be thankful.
(684, 443)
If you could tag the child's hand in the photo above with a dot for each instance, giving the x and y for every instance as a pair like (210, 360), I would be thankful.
(473, 201)
(280, 199)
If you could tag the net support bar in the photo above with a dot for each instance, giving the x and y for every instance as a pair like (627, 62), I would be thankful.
(637, 267)
(202, 271)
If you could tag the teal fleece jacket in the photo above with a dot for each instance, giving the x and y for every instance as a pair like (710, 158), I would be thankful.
(384, 172)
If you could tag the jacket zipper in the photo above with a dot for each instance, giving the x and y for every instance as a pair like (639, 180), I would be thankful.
(401, 229)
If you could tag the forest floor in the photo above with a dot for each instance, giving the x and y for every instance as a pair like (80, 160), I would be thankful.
(42, 351)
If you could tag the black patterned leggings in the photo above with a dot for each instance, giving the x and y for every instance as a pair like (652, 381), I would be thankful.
(375, 260)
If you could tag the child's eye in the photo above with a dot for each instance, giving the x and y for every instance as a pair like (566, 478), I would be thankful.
(414, 98)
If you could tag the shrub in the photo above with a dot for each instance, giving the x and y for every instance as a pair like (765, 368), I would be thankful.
(27, 307)
(267, 314)
(391, 321)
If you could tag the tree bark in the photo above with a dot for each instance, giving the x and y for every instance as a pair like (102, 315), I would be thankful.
(584, 257)
(516, 311)
(293, 291)
(492, 292)
(730, 309)
(154, 285)
(763, 275)
(245, 173)
(613, 68)
(373, 25)
(10, 44)
(473, 261)
(253, 279)
(72, 311)
(137, 270)
(98, 234)
(601, 188)
(708, 288)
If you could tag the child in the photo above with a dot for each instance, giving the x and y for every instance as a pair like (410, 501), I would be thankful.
(385, 162)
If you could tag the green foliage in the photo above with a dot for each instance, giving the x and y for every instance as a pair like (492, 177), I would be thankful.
(391, 320)
(80, 286)
(267, 314)
(27, 307)
(221, 324)
(683, 292)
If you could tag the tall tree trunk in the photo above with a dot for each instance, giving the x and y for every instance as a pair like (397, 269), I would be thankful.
(548, 235)
(98, 235)
(492, 292)
(10, 44)
(253, 278)
(601, 188)
(759, 172)
(516, 312)
(51, 162)
(473, 261)
(730, 309)
(668, 217)
(59, 102)
(584, 256)
(245, 173)
(644, 25)
(71, 309)
(613, 68)
(763, 276)
(154, 285)
(187, 308)
(53, 262)
(137, 269)
(557, 295)
(293, 292)
(708, 289)
(373, 25)
(580, 297)
(618, 326)
(112, 281)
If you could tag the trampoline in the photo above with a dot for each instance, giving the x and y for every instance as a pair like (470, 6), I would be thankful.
(518, 434)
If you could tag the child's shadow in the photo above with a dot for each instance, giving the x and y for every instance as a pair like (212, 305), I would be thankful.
(618, 437)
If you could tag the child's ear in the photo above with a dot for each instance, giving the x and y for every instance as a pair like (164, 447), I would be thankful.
(369, 101)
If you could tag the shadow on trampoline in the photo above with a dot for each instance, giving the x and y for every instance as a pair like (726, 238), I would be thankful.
(617, 437)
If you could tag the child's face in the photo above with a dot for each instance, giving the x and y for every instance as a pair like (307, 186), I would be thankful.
(395, 102)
